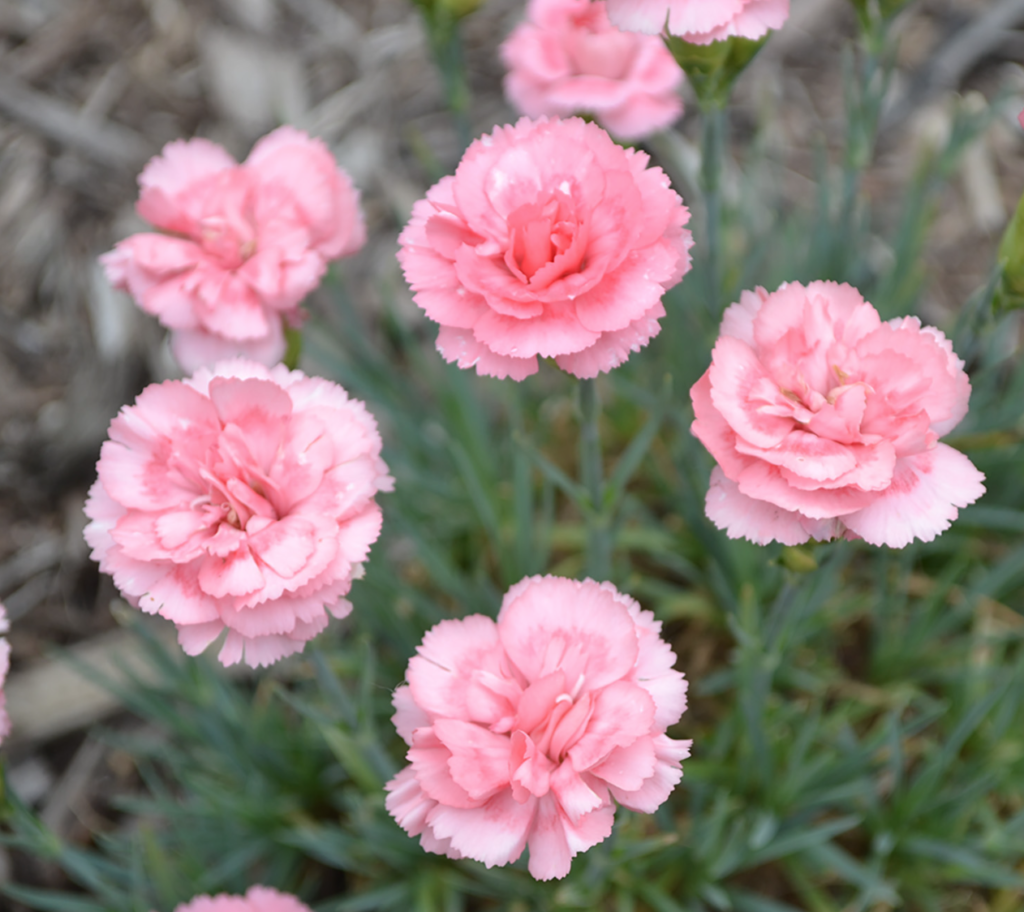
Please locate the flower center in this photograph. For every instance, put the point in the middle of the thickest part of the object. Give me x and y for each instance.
(231, 242)
(541, 236)
(554, 716)
(226, 230)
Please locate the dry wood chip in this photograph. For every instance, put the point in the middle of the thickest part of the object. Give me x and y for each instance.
(334, 114)
(63, 801)
(55, 696)
(113, 316)
(332, 24)
(108, 143)
(258, 15)
(981, 185)
(252, 84)
(28, 562)
(51, 43)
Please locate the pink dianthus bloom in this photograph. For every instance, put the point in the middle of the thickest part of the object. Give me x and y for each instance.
(243, 243)
(825, 421)
(257, 899)
(700, 21)
(567, 58)
(240, 499)
(521, 732)
(549, 240)
(5, 665)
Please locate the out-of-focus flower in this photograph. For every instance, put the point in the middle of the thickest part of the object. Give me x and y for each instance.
(567, 58)
(549, 240)
(825, 421)
(700, 21)
(257, 899)
(241, 499)
(521, 732)
(243, 243)
(5, 664)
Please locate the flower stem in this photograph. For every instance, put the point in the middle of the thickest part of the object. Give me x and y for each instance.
(599, 539)
(446, 46)
(293, 338)
(712, 152)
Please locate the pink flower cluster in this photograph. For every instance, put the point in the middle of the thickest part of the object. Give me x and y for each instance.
(256, 899)
(567, 58)
(242, 244)
(825, 421)
(241, 499)
(700, 21)
(550, 240)
(5, 665)
(521, 732)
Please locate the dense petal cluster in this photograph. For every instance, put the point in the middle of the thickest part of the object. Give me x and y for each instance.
(549, 240)
(239, 499)
(5, 664)
(700, 21)
(567, 58)
(825, 421)
(243, 243)
(257, 899)
(521, 732)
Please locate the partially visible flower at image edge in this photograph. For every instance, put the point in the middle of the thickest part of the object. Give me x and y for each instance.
(241, 244)
(256, 899)
(5, 665)
(567, 58)
(528, 730)
(549, 241)
(825, 421)
(240, 500)
(700, 21)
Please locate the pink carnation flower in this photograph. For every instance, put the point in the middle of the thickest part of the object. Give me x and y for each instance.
(244, 244)
(549, 240)
(700, 21)
(825, 421)
(567, 58)
(5, 665)
(522, 731)
(257, 899)
(240, 499)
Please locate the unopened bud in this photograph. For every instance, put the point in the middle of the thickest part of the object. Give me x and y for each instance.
(713, 68)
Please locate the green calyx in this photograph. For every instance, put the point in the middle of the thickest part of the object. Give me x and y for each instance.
(713, 68)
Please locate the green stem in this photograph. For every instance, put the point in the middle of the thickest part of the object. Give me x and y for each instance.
(712, 154)
(446, 46)
(599, 539)
(865, 90)
(293, 338)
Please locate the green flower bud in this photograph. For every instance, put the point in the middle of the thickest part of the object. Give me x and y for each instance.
(713, 68)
